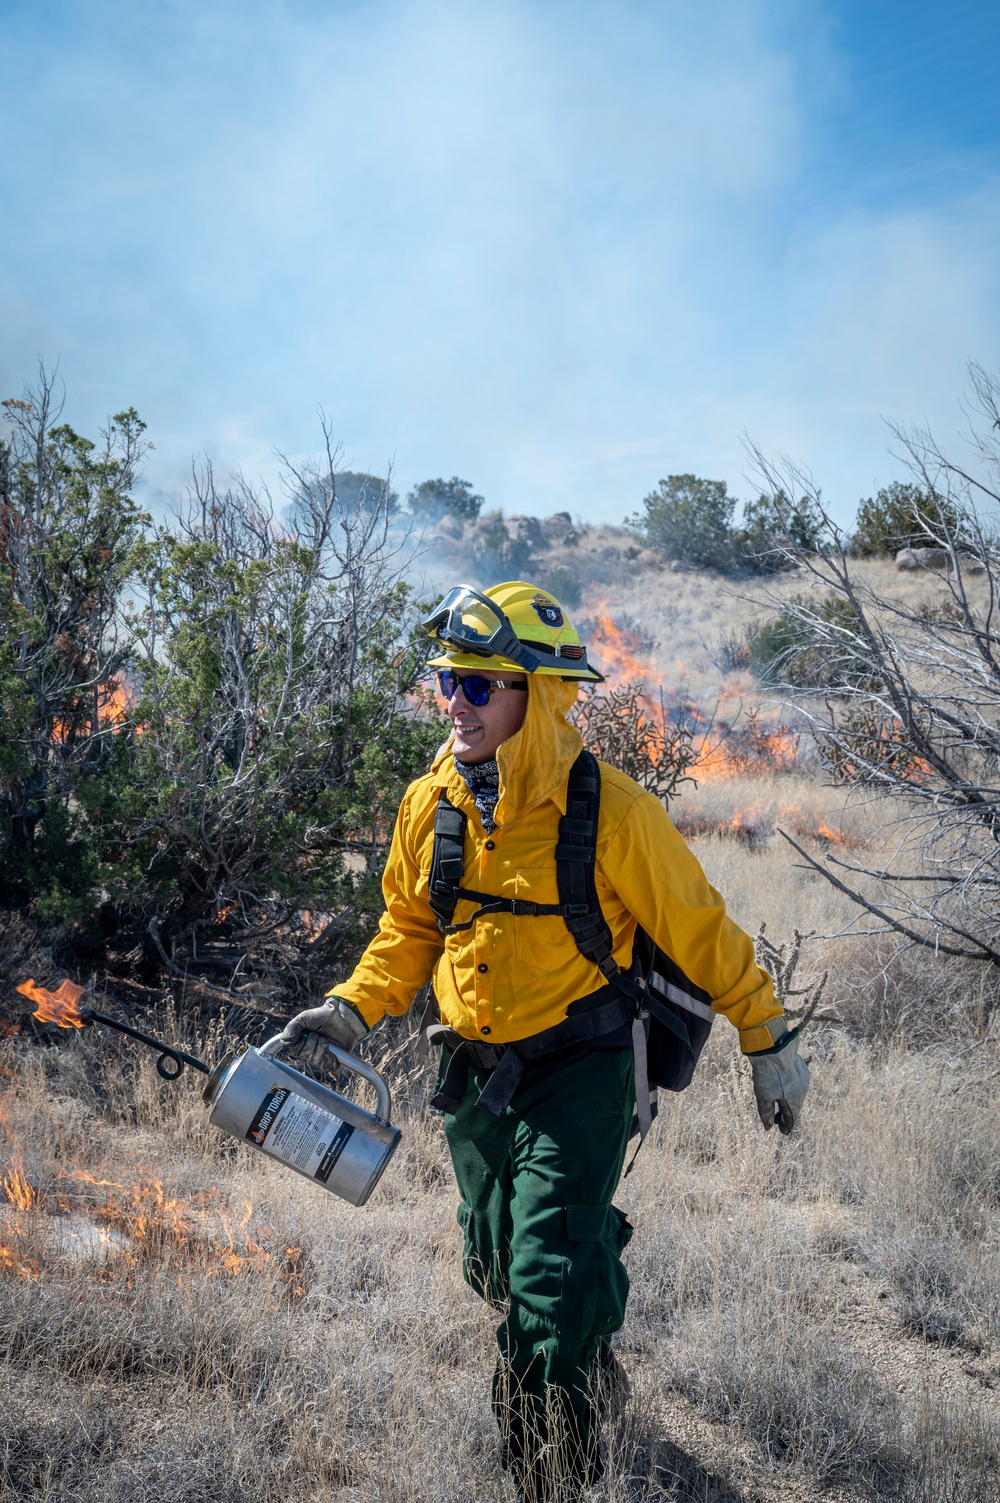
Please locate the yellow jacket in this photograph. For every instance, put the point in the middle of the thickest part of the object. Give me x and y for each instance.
(509, 977)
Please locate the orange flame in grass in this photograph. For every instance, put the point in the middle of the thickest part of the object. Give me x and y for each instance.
(203, 1233)
(10, 1263)
(739, 749)
(137, 1221)
(757, 751)
(615, 650)
(59, 1006)
(17, 1190)
(753, 825)
(140, 1224)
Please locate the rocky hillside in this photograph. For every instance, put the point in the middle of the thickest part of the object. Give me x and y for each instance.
(566, 557)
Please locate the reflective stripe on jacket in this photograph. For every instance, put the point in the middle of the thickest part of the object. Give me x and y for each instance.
(510, 977)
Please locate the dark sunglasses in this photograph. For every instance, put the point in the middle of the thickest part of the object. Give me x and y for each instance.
(476, 689)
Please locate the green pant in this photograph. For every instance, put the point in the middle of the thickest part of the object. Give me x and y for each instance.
(543, 1242)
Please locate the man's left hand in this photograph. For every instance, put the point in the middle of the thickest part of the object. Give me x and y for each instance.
(780, 1082)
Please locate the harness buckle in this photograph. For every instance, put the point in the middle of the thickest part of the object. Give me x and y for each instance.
(522, 908)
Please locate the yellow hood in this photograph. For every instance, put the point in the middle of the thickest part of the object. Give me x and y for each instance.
(535, 762)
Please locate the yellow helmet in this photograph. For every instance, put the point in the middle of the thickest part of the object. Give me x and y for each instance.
(513, 628)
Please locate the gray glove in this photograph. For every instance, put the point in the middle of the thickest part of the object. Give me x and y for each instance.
(780, 1082)
(335, 1020)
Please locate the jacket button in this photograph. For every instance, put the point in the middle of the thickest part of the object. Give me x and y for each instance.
(491, 845)
(482, 969)
(485, 1030)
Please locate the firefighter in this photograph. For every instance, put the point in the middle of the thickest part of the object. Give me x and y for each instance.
(538, 1134)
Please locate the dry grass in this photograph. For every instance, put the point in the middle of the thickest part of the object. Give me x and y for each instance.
(687, 613)
(813, 1317)
(816, 1314)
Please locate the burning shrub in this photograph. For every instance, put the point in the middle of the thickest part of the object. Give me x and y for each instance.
(654, 746)
(68, 533)
(751, 748)
(866, 737)
(277, 739)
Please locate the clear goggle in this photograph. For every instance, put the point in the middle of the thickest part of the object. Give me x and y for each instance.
(470, 621)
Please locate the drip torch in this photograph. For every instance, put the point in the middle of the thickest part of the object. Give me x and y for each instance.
(267, 1103)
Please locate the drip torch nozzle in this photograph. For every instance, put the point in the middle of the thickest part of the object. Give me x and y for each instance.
(171, 1059)
(62, 1007)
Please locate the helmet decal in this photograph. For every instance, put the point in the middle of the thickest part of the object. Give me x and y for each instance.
(547, 611)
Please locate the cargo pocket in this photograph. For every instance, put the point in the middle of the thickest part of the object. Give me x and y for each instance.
(599, 1224)
(595, 1283)
(541, 942)
(624, 1230)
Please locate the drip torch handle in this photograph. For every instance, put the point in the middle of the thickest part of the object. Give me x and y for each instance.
(357, 1066)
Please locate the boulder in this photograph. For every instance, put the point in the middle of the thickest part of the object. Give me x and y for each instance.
(555, 529)
(923, 558)
(525, 530)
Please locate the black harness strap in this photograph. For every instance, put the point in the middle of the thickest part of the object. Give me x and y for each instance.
(447, 860)
(445, 890)
(507, 1061)
(576, 863)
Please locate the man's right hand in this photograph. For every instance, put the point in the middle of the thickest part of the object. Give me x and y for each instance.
(335, 1020)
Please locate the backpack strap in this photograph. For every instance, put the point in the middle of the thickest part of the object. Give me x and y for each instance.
(576, 865)
(447, 860)
(445, 890)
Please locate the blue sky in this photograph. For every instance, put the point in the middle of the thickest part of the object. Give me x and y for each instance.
(558, 247)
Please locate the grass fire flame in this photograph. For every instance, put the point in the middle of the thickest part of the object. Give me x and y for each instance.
(741, 745)
(125, 1225)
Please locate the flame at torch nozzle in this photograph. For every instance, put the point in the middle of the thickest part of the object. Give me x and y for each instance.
(60, 1007)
